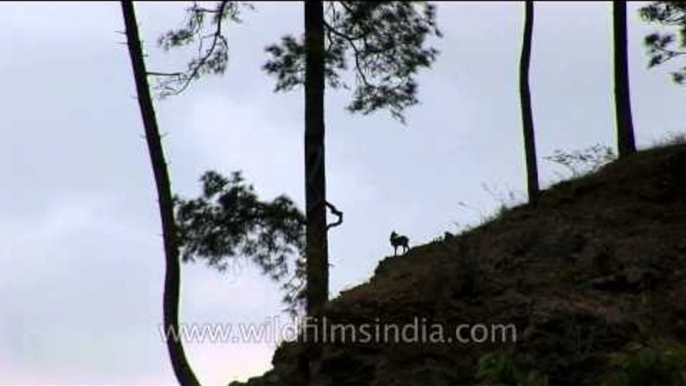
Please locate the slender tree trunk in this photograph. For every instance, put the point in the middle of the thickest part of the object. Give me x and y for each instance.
(172, 279)
(316, 249)
(625, 128)
(315, 184)
(527, 115)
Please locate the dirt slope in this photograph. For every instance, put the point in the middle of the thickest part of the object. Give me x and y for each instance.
(599, 267)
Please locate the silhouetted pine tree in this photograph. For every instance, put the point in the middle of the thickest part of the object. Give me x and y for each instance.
(386, 43)
(525, 95)
(316, 247)
(172, 278)
(626, 144)
(226, 220)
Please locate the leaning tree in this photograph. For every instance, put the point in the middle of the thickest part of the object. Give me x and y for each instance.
(172, 279)
(226, 220)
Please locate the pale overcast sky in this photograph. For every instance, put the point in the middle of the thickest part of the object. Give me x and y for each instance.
(81, 261)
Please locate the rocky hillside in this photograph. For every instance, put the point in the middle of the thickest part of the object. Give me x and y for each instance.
(592, 278)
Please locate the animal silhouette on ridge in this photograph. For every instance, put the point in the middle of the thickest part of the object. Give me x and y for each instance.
(399, 241)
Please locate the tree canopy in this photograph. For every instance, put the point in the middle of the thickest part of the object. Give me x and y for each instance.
(229, 219)
(385, 41)
(664, 46)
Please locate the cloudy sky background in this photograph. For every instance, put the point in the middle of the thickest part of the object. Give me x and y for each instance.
(81, 262)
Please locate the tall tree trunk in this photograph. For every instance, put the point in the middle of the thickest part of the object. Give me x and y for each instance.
(625, 128)
(172, 279)
(525, 95)
(316, 248)
(315, 184)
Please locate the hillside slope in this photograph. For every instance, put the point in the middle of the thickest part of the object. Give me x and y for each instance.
(598, 268)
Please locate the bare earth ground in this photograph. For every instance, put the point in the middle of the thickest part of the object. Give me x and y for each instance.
(599, 267)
